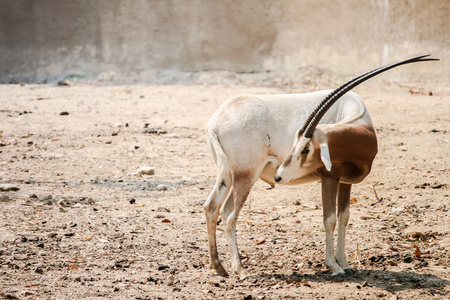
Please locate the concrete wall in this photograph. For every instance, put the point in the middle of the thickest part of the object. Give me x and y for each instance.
(49, 39)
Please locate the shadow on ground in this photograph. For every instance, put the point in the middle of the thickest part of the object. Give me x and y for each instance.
(388, 280)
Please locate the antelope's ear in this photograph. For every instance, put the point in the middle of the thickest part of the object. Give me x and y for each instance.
(324, 150)
(325, 155)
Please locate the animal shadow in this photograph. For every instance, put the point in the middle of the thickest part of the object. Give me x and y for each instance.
(393, 281)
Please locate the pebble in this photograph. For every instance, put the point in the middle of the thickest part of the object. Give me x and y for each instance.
(65, 83)
(5, 198)
(146, 171)
(162, 187)
(276, 217)
(408, 259)
(163, 267)
(186, 180)
(8, 187)
(163, 209)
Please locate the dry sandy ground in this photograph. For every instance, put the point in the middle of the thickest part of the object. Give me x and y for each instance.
(84, 225)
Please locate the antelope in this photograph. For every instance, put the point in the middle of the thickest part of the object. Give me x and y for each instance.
(251, 136)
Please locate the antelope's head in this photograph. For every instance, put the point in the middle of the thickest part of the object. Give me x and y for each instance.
(307, 155)
(310, 150)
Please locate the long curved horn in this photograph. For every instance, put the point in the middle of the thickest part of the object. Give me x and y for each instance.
(314, 118)
(325, 100)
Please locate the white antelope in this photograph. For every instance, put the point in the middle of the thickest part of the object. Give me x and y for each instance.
(251, 137)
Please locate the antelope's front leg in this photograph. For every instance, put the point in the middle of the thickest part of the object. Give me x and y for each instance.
(211, 207)
(329, 192)
(343, 216)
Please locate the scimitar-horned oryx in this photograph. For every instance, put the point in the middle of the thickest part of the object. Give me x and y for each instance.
(291, 139)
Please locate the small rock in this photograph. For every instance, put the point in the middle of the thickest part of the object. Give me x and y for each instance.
(156, 131)
(163, 209)
(162, 187)
(392, 263)
(200, 202)
(306, 283)
(124, 263)
(8, 187)
(64, 113)
(408, 259)
(132, 201)
(276, 217)
(146, 171)
(66, 203)
(416, 235)
(438, 186)
(163, 267)
(187, 180)
(397, 209)
(65, 83)
(6, 198)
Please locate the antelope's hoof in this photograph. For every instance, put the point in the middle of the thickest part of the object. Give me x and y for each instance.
(220, 270)
(349, 272)
(339, 275)
(244, 275)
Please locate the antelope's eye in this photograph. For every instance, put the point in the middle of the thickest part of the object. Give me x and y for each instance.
(305, 151)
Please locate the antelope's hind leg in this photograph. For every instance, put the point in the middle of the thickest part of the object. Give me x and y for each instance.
(212, 206)
(232, 207)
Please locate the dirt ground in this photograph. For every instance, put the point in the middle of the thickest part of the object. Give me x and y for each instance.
(77, 221)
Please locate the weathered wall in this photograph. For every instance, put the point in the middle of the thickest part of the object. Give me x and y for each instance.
(49, 39)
